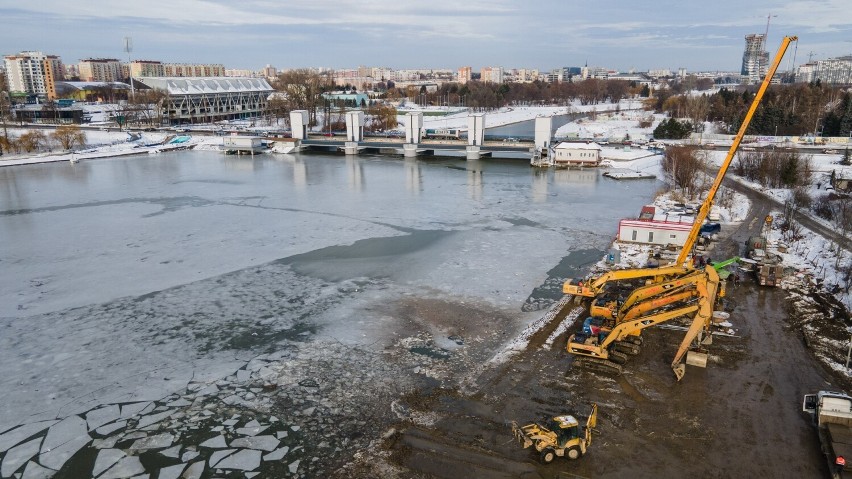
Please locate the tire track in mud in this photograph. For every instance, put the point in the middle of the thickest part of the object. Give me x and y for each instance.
(474, 437)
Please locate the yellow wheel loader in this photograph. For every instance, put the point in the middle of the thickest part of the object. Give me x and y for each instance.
(562, 437)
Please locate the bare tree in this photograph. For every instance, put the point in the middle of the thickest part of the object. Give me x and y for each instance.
(303, 90)
(32, 140)
(68, 136)
(683, 165)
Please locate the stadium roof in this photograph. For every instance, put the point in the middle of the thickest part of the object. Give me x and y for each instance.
(90, 85)
(201, 85)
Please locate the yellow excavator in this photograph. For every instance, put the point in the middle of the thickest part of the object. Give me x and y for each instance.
(603, 347)
(592, 288)
(608, 346)
(609, 308)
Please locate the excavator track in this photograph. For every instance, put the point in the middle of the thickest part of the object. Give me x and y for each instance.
(600, 365)
(618, 357)
(627, 347)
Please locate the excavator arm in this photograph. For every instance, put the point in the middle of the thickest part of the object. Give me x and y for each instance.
(593, 287)
(707, 291)
(641, 294)
(633, 327)
(708, 202)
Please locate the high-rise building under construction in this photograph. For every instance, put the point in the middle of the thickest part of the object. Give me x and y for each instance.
(755, 58)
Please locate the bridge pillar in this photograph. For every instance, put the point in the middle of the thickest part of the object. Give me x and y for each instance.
(476, 129)
(299, 124)
(350, 147)
(414, 128)
(543, 132)
(473, 152)
(355, 126)
(409, 150)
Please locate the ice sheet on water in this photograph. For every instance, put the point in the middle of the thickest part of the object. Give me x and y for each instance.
(245, 460)
(62, 441)
(36, 471)
(106, 459)
(219, 455)
(102, 415)
(263, 443)
(172, 451)
(189, 455)
(18, 456)
(294, 466)
(130, 410)
(127, 466)
(153, 442)
(194, 471)
(110, 428)
(277, 454)
(171, 472)
(217, 442)
(154, 418)
(19, 433)
(251, 431)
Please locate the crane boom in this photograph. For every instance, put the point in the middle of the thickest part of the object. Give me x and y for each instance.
(705, 206)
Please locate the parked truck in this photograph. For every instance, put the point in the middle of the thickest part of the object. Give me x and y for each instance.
(766, 266)
(832, 415)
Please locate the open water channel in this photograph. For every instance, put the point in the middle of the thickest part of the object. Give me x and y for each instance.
(123, 280)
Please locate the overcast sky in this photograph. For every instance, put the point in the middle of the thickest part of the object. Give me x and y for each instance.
(544, 34)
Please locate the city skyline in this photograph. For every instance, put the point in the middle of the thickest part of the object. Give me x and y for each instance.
(446, 34)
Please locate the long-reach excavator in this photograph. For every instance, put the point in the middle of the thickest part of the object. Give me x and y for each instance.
(672, 291)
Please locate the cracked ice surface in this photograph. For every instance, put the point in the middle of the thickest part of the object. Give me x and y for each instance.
(62, 441)
(179, 289)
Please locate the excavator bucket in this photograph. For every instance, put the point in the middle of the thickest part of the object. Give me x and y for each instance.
(679, 370)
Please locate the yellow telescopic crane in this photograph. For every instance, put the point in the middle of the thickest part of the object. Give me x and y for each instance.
(705, 206)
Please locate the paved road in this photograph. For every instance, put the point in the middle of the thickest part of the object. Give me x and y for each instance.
(800, 216)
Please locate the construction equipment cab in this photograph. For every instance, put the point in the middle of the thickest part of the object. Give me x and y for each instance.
(832, 415)
(561, 437)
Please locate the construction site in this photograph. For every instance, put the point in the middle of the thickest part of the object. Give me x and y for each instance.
(396, 348)
(692, 395)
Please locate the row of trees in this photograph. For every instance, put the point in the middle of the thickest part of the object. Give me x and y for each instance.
(775, 168)
(791, 109)
(303, 90)
(66, 137)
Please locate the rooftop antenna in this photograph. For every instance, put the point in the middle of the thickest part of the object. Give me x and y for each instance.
(128, 48)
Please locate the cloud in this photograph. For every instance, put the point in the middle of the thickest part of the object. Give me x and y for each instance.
(540, 34)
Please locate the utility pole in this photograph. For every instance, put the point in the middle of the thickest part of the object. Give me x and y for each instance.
(128, 48)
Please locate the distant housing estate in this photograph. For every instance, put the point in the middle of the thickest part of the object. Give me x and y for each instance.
(832, 71)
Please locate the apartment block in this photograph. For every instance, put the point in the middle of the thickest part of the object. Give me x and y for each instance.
(33, 73)
(100, 70)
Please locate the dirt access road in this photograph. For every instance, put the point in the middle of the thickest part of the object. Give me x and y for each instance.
(739, 417)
